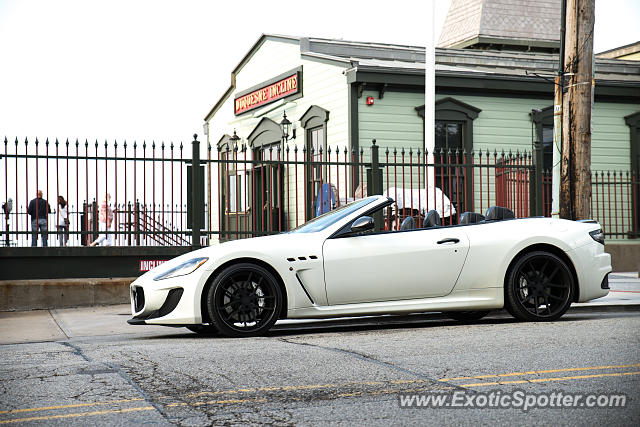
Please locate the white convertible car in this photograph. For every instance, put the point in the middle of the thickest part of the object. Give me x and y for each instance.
(344, 263)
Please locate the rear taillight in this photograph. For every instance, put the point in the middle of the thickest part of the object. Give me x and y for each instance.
(597, 235)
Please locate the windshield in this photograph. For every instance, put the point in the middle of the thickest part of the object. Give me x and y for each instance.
(325, 220)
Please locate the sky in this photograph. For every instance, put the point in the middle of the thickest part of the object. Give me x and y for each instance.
(152, 70)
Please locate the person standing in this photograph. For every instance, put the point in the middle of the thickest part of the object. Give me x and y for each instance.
(106, 223)
(38, 210)
(63, 222)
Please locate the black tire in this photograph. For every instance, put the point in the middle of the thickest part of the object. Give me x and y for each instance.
(204, 329)
(539, 287)
(244, 300)
(466, 316)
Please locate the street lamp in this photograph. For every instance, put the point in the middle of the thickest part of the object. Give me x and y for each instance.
(285, 127)
(234, 139)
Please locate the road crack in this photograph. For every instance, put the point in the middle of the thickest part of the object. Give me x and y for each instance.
(116, 369)
(371, 359)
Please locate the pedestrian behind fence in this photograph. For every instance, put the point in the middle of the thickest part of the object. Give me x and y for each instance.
(38, 210)
(106, 223)
(63, 222)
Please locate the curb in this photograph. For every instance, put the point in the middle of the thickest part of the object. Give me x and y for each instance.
(19, 295)
(605, 307)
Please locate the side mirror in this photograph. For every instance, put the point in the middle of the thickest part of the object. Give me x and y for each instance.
(362, 224)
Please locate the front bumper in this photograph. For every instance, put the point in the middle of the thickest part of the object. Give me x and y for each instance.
(166, 302)
(137, 301)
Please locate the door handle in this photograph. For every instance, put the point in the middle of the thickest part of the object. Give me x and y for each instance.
(448, 240)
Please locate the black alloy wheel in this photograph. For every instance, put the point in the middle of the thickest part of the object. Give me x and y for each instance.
(466, 316)
(539, 287)
(244, 300)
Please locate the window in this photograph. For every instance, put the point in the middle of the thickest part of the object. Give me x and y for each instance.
(316, 153)
(543, 122)
(453, 131)
(450, 177)
(633, 121)
(543, 156)
(237, 192)
(314, 121)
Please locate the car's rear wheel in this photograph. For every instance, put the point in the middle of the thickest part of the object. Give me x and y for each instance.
(466, 316)
(204, 329)
(244, 300)
(539, 287)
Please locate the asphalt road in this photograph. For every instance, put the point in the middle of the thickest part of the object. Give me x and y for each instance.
(349, 372)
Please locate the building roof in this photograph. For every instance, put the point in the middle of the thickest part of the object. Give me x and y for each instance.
(405, 60)
(620, 52)
(505, 24)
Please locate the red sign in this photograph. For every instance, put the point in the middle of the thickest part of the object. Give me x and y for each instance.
(149, 264)
(287, 86)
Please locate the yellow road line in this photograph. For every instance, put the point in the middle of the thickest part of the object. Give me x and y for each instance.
(287, 388)
(77, 414)
(547, 371)
(215, 402)
(542, 380)
(354, 383)
(74, 405)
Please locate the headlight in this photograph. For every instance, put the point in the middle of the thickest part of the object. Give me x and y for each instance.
(183, 269)
(597, 235)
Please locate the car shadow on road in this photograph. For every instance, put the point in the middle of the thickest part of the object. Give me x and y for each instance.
(394, 322)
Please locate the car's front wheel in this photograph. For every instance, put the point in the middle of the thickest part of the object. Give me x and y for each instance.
(539, 287)
(244, 300)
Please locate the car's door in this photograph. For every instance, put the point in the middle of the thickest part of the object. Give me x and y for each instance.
(394, 265)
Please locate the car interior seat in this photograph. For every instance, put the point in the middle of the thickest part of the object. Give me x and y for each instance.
(408, 224)
(470, 218)
(432, 219)
(498, 213)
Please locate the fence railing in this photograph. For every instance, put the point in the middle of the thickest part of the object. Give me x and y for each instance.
(268, 189)
(159, 199)
(146, 180)
(615, 201)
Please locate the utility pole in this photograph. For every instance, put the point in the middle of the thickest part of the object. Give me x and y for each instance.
(557, 118)
(575, 182)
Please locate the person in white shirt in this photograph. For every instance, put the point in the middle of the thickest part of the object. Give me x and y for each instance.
(63, 222)
(106, 223)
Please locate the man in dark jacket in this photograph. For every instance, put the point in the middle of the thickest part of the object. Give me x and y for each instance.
(38, 209)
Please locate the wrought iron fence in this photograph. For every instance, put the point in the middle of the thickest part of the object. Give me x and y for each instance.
(159, 199)
(145, 184)
(269, 189)
(615, 198)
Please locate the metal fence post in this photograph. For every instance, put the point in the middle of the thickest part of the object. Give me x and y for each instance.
(94, 222)
(128, 220)
(376, 173)
(535, 181)
(137, 223)
(374, 181)
(197, 203)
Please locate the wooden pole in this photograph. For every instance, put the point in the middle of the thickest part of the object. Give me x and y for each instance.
(575, 182)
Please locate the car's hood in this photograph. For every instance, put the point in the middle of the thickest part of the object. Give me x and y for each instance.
(259, 247)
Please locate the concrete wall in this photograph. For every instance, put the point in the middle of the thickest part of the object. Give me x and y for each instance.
(625, 256)
(62, 293)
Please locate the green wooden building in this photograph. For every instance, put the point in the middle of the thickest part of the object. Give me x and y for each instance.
(494, 91)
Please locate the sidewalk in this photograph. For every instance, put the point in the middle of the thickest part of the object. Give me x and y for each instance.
(60, 324)
(625, 290)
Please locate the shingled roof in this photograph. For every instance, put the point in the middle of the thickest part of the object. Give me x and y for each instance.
(532, 25)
